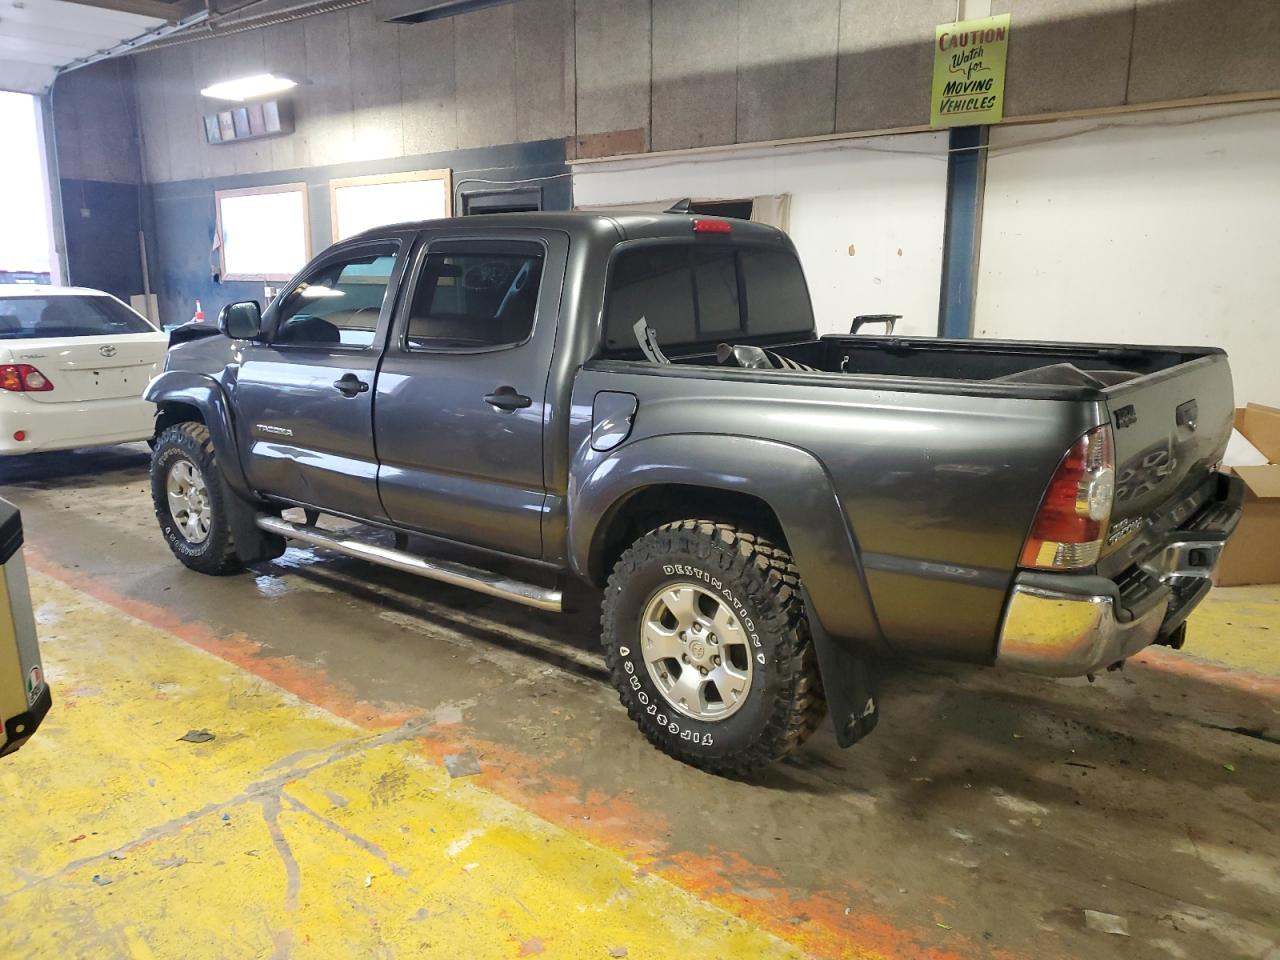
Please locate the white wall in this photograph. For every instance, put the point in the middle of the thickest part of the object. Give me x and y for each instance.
(867, 215)
(1154, 228)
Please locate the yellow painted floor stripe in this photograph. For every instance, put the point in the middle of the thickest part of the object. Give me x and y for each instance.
(293, 833)
(1238, 627)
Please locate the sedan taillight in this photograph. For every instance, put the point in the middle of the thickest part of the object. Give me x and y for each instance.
(1072, 520)
(23, 378)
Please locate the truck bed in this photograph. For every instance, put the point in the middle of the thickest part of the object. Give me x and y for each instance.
(989, 359)
(1088, 367)
(953, 506)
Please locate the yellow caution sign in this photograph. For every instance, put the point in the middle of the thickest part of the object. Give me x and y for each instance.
(968, 72)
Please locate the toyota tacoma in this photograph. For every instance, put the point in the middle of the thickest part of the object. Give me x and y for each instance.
(641, 402)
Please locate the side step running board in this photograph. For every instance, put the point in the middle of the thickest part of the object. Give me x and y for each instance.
(446, 571)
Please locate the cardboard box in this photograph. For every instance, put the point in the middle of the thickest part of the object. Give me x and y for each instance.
(1253, 552)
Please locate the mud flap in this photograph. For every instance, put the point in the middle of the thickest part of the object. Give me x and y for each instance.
(848, 682)
(253, 545)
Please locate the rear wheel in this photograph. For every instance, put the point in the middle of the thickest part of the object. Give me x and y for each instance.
(708, 645)
(186, 490)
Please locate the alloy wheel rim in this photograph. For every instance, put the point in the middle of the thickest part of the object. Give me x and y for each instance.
(188, 497)
(696, 651)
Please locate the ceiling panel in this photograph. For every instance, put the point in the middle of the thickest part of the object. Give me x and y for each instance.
(38, 36)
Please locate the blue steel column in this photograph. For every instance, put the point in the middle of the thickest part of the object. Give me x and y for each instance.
(966, 177)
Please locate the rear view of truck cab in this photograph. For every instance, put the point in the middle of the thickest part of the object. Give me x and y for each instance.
(1131, 523)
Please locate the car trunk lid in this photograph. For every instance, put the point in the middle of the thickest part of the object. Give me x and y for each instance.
(92, 368)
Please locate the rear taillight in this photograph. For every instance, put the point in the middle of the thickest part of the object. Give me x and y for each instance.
(23, 378)
(1072, 520)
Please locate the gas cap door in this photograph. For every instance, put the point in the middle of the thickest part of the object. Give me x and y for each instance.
(612, 416)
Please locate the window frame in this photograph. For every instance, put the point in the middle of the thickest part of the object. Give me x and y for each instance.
(443, 174)
(327, 260)
(220, 195)
(400, 329)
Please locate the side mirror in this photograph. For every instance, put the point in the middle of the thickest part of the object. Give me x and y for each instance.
(241, 321)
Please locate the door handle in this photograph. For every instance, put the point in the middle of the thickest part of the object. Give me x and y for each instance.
(349, 385)
(506, 398)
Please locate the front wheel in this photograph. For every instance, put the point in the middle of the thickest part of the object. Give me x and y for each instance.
(186, 490)
(707, 643)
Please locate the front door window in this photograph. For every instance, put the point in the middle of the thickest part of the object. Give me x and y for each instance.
(339, 303)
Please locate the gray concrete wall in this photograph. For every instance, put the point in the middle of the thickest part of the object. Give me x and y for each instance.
(94, 124)
(621, 76)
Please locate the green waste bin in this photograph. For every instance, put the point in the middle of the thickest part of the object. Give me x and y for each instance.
(24, 694)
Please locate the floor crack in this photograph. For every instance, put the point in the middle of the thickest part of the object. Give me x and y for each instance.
(266, 791)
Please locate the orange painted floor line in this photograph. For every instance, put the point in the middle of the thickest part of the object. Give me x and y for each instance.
(1195, 668)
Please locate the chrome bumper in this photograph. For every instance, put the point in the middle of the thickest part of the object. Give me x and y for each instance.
(1067, 625)
(1068, 635)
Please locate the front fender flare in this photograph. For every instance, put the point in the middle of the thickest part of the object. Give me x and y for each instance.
(790, 480)
(207, 395)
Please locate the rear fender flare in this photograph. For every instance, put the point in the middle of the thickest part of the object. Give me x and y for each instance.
(790, 480)
(208, 396)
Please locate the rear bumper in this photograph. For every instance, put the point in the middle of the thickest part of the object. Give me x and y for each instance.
(65, 426)
(1067, 625)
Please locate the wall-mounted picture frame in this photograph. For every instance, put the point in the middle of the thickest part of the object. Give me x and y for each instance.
(271, 116)
(264, 232)
(357, 204)
(267, 118)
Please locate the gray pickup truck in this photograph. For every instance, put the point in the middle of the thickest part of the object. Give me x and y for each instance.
(640, 402)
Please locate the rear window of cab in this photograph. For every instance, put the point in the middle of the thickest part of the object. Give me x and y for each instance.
(700, 294)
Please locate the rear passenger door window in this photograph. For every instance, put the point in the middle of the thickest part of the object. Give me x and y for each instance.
(338, 304)
(475, 295)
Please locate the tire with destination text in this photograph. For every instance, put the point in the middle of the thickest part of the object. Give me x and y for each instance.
(707, 642)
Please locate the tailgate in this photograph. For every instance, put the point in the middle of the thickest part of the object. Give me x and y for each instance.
(1171, 429)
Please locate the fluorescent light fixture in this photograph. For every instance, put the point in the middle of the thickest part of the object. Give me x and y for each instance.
(421, 11)
(249, 88)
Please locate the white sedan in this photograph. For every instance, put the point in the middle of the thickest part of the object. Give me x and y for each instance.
(73, 365)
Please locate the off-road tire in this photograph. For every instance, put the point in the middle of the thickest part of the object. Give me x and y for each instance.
(216, 554)
(784, 704)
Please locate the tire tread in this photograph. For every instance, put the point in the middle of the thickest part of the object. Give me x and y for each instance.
(772, 583)
(222, 557)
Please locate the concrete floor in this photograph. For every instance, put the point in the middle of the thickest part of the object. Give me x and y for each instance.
(983, 817)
